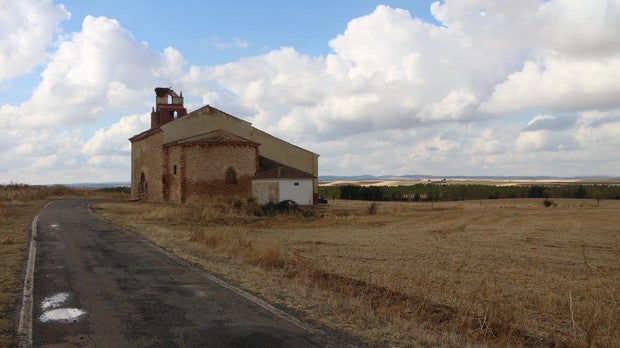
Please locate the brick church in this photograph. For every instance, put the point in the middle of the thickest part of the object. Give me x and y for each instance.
(207, 153)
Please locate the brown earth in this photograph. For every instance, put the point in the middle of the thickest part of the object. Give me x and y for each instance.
(446, 273)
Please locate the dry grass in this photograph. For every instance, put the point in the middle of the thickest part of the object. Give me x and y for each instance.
(494, 272)
(14, 220)
(18, 205)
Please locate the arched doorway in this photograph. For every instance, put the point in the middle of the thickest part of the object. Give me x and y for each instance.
(143, 188)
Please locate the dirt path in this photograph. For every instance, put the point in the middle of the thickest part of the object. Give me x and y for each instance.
(95, 284)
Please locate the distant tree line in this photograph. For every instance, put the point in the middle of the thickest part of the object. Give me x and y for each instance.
(452, 192)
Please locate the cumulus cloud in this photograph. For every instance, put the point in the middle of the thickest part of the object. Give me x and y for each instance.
(27, 154)
(114, 140)
(487, 62)
(102, 67)
(99, 71)
(389, 70)
(495, 88)
(559, 84)
(27, 29)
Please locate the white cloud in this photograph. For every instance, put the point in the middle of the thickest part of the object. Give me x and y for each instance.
(114, 140)
(559, 84)
(100, 68)
(389, 70)
(99, 71)
(389, 73)
(498, 88)
(27, 28)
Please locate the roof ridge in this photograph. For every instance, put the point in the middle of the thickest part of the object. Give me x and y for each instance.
(284, 172)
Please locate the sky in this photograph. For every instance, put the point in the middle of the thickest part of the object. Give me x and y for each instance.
(467, 87)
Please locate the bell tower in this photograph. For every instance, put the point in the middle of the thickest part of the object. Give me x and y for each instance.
(168, 107)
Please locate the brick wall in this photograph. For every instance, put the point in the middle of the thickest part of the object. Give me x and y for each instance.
(201, 173)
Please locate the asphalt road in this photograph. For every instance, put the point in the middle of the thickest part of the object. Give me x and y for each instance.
(98, 285)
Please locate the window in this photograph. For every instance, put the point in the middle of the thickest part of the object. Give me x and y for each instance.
(174, 169)
(295, 184)
(231, 176)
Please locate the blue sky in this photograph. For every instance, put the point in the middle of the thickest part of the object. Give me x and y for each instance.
(468, 87)
(193, 26)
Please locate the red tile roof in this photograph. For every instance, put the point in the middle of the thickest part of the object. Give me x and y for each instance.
(284, 172)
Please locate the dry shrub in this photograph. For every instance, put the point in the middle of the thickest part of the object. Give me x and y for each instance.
(7, 241)
(252, 208)
(593, 323)
(169, 213)
(212, 212)
(264, 255)
(3, 214)
(549, 203)
(237, 245)
(226, 210)
(28, 193)
(490, 315)
(218, 213)
(372, 208)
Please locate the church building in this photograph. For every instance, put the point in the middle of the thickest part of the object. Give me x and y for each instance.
(208, 154)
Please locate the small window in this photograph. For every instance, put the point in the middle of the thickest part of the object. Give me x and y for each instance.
(174, 169)
(295, 184)
(231, 176)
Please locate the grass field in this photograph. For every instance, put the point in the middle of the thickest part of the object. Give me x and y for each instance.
(18, 206)
(444, 273)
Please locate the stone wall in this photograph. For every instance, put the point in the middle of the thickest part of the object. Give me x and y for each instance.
(173, 172)
(146, 157)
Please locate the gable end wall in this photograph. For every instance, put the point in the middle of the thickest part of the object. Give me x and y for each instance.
(146, 157)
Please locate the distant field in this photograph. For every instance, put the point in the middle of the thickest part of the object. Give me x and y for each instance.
(498, 182)
(503, 271)
(468, 189)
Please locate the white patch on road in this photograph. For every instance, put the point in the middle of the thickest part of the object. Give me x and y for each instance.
(62, 314)
(54, 301)
(51, 312)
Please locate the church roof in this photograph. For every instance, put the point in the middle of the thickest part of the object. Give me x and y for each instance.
(144, 134)
(284, 172)
(215, 137)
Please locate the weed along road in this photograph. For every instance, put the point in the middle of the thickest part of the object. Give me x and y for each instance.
(97, 285)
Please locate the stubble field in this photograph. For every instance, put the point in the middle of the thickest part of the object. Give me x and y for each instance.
(443, 273)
